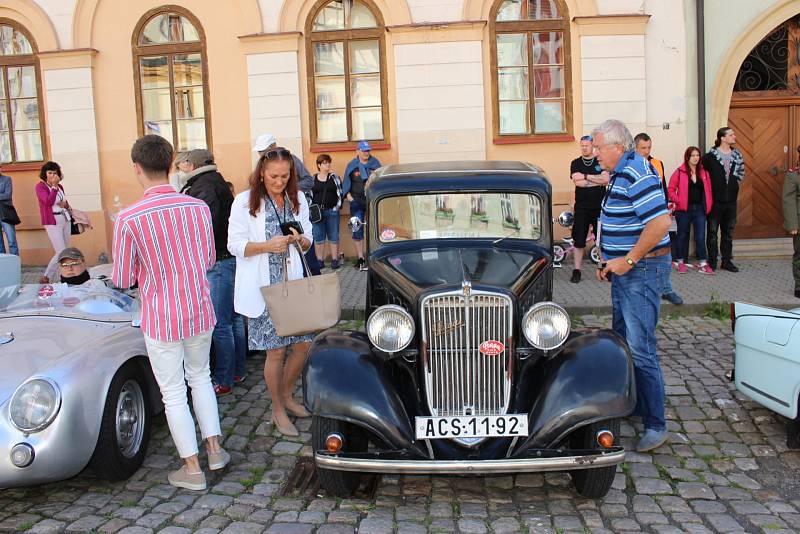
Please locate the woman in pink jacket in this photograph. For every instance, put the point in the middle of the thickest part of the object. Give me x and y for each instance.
(690, 189)
(54, 211)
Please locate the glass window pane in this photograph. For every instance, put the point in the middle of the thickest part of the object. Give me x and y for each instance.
(3, 120)
(548, 82)
(154, 71)
(330, 17)
(331, 126)
(5, 147)
(156, 105)
(21, 82)
(543, 10)
(367, 124)
(362, 17)
(191, 134)
(510, 10)
(364, 57)
(162, 128)
(187, 69)
(2, 83)
(25, 114)
(514, 118)
(168, 28)
(28, 145)
(13, 43)
(189, 103)
(512, 50)
(328, 59)
(330, 93)
(365, 90)
(547, 48)
(512, 84)
(549, 116)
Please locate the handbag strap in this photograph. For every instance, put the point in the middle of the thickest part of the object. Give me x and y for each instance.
(286, 270)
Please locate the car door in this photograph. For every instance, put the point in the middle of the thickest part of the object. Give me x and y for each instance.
(767, 360)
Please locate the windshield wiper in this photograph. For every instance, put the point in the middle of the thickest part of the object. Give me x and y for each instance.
(496, 241)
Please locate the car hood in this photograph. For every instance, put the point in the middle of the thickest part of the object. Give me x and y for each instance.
(510, 265)
(39, 343)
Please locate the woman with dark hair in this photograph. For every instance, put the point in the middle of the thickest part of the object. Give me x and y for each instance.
(690, 189)
(327, 194)
(54, 211)
(256, 239)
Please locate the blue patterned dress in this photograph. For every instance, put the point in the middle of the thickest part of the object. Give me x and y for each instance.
(262, 334)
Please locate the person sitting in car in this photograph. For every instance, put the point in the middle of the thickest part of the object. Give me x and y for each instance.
(72, 267)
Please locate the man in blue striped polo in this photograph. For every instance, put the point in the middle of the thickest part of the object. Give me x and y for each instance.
(634, 242)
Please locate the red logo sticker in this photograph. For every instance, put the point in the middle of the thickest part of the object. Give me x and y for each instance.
(388, 234)
(492, 348)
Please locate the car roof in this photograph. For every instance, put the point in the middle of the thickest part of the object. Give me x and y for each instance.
(457, 175)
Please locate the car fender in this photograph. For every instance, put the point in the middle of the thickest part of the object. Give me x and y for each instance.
(590, 380)
(344, 379)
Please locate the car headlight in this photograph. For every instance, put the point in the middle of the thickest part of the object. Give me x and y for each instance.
(390, 328)
(546, 325)
(35, 404)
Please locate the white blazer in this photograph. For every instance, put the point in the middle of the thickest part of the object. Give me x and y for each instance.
(253, 272)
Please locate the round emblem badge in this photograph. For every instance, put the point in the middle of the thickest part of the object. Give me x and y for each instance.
(388, 234)
(492, 348)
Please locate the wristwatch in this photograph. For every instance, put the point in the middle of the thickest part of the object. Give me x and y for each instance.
(630, 261)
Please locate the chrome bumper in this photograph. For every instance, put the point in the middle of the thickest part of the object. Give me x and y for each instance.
(468, 467)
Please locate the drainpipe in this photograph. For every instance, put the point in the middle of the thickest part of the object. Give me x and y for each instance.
(701, 74)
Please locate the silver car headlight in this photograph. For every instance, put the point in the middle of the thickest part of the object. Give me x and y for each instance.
(390, 328)
(546, 325)
(35, 404)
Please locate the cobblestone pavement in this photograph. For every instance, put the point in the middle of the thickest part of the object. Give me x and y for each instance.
(725, 468)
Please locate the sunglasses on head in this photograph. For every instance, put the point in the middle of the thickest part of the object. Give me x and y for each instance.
(278, 152)
(586, 138)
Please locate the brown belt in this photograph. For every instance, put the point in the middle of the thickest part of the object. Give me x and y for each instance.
(660, 252)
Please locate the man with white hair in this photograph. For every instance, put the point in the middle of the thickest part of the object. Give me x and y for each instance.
(634, 242)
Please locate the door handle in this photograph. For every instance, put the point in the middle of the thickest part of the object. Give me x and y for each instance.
(774, 171)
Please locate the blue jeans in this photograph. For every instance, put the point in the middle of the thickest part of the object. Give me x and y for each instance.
(694, 216)
(636, 298)
(357, 210)
(11, 237)
(327, 227)
(230, 345)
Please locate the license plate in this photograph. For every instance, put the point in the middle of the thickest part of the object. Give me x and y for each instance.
(472, 426)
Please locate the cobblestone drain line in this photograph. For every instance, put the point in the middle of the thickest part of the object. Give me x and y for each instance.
(725, 468)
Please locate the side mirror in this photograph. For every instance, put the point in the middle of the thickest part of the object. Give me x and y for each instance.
(355, 224)
(136, 322)
(566, 219)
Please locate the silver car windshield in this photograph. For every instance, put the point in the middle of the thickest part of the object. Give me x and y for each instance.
(92, 300)
(460, 215)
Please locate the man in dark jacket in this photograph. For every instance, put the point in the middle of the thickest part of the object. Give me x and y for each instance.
(725, 166)
(207, 184)
(356, 174)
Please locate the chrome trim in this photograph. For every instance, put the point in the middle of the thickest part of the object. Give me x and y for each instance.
(459, 380)
(464, 467)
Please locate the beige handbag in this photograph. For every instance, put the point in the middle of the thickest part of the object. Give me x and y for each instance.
(303, 306)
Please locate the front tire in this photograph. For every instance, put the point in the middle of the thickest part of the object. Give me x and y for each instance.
(338, 483)
(594, 254)
(125, 427)
(593, 483)
(558, 253)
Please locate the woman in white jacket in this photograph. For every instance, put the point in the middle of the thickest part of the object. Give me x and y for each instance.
(256, 239)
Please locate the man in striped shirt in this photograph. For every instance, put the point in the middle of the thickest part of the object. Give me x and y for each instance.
(165, 243)
(634, 242)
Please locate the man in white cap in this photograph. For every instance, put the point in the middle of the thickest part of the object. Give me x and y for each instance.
(305, 180)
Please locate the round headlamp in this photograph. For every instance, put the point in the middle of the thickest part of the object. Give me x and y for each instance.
(35, 404)
(546, 325)
(390, 328)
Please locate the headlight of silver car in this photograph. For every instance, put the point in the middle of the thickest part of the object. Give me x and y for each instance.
(35, 404)
(390, 328)
(546, 325)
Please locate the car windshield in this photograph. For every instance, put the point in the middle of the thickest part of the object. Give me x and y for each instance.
(92, 300)
(460, 215)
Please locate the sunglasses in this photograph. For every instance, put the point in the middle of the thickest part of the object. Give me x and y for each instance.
(70, 263)
(278, 152)
(586, 138)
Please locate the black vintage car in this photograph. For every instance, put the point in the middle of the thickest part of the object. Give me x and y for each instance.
(466, 366)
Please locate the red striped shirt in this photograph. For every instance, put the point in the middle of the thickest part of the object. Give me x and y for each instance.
(165, 241)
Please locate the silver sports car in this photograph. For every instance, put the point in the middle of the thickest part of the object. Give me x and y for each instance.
(76, 388)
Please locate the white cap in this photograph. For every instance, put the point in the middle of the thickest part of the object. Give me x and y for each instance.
(264, 141)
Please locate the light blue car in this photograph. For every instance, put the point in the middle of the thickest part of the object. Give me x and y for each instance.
(767, 361)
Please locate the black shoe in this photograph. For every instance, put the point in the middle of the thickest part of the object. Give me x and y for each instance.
(673, 298)
(361, 265)
(729, 266)
(576, 276)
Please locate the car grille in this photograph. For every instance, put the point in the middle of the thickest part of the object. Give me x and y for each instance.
(459, 378)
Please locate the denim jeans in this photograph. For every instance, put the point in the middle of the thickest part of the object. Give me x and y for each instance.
(636, 298)
(357, 210)
(327, 227)
(11, 237)
(230, 345)
(695, 217)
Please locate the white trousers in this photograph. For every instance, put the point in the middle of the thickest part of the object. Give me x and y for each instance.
(59, 235)
(174, 363)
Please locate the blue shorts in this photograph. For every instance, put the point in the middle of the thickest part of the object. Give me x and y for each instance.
(357, 210)
(327, 227)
